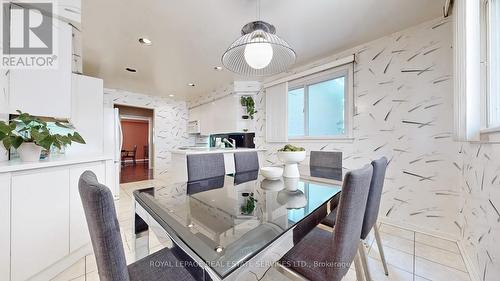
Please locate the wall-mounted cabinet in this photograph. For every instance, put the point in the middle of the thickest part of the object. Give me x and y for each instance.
(221, 116)
(68, 10)
(45, 92)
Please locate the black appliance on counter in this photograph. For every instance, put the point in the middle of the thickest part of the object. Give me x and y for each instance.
(242, 139)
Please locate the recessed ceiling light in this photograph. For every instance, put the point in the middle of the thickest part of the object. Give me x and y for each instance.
(145, 41)
(218, 68)
(171, 95)
(129, 69)
(191, 84)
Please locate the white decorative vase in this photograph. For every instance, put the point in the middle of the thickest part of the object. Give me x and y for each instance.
(29, 152)
(291, 160)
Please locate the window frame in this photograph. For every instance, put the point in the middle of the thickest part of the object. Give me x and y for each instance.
(488, 125)
(346, 71)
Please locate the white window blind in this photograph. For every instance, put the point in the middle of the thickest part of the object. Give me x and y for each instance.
(276, 113)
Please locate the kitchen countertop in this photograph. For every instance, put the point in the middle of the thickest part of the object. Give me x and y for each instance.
(18, 165)
(204, 150)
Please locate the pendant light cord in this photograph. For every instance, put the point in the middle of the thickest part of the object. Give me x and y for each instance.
(258, 10)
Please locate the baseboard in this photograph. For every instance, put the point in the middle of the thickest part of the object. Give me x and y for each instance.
(469, 264)
(471, 269)
(63, 264)
(137, 160)
(418, 228)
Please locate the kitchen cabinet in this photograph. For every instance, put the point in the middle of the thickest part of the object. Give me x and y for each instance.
(87, 114)
(68, 10)
(40, 220)
(4, 90)
(5, 226)
(45, 92)
(221, 116)
(44, 228)
(78, 230)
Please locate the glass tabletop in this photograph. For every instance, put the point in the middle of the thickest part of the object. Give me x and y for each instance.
(227, 220)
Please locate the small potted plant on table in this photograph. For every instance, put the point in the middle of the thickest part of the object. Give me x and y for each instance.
(29, 135)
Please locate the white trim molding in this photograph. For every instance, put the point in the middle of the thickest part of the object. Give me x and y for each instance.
(467, 69)
(313, 70)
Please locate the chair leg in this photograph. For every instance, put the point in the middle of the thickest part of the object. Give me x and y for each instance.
(357, 267)
(364, 260)
(380, 249)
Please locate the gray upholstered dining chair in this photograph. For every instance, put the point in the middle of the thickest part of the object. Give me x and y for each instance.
(337, 250)
(246, 161)
(371, 214)
(205, 166)
(326, 159)
(104, 231)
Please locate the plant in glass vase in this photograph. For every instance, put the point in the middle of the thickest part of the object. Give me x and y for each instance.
(29, 134)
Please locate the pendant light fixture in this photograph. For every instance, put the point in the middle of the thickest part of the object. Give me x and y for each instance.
(259, 51)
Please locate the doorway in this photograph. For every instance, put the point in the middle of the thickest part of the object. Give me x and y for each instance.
(137, 161)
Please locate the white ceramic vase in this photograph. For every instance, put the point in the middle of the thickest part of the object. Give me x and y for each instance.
(291, 160)
(29, 152)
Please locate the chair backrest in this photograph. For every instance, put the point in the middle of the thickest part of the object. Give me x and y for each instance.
(205, 166)
(246, 161)
(349, 220)
(374, 196)
(328, 159)
(103, 226)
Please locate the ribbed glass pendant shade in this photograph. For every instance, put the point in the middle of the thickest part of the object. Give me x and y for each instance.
(259, 52)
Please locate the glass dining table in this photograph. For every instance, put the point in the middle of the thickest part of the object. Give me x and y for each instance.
(235, 224)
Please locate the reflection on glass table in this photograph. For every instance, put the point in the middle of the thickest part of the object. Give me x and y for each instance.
(225, 222)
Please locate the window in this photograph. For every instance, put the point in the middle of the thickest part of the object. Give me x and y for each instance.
(492, 19)
(318, 105)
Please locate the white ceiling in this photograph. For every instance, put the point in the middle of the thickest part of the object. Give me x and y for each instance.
(189, 37)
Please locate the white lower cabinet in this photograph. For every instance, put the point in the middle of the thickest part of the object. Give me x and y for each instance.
(4, 226)
(40, 220)
(78, 230)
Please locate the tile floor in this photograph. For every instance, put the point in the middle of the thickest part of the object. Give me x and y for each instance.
(411, 256)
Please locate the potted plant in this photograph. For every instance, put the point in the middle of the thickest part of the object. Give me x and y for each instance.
(29, 134)
(249, 104)
(249, 205)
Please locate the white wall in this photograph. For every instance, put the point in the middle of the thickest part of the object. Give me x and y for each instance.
(170, 123)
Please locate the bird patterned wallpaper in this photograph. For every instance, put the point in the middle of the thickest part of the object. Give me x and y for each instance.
(403, 88)
(170, 123)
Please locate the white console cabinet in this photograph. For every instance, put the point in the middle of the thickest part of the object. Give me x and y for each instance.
(42, 217)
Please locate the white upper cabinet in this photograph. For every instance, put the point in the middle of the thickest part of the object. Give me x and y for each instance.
(221, 116)
(68, 10)
(45, 92)
(87, 114)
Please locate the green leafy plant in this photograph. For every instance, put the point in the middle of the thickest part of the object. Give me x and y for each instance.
(28, 128)
(249, 205)
(291, 148)
(249, 103)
